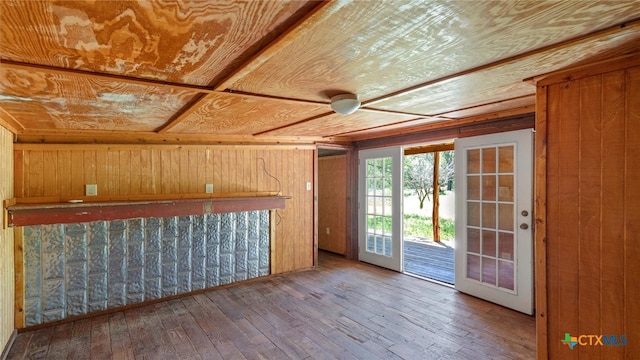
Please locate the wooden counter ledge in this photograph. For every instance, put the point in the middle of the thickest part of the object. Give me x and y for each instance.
(76, 212)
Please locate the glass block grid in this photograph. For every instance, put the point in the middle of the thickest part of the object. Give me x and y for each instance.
(75, 269)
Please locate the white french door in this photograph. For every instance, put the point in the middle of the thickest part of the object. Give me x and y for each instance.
(494, 248)
(380, 207)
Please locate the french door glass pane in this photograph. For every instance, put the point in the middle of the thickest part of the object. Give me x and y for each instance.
(489, 160)
(379, 206)
(489, 187)
(505, 246)
(473, 187)
(505, 217)
(473, 161)
(489, 270)
(490, 250)
(506, 159)
(473, 240)
(473, 267)
(506, 273)
(488, 215)
(489, 243)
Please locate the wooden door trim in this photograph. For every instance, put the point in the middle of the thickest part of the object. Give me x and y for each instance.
(540, 223)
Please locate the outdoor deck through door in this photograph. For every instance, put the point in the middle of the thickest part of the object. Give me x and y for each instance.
(493, 218)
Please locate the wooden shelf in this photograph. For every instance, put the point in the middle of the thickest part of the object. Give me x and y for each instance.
(75, 212)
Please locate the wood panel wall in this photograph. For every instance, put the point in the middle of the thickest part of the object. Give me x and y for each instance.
(60, 172)
(332, 203)
(588, 167)
(6, 241)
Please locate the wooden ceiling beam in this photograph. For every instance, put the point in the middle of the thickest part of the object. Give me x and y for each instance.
(9, 64)
(392, 125)
(10, 123)
(193, 106)
(496, 64)
(182, 114)
(444, 123)
(428, 148)
(252, 63)
(503, 101)
(67, 136)
(591, 69)
(379, 111)
(294, 123)
(320, 12)
(446, 133)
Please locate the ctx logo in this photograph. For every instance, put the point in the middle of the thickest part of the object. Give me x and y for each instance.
(594, 340)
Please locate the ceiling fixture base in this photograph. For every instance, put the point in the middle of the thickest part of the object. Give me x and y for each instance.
(345, 104)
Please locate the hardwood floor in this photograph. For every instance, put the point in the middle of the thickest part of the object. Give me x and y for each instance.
(342, 310)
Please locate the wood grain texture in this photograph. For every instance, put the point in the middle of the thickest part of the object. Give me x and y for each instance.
(225, 113)
(131, 137)
(336, 124)
(631, 207)
(194, 44)
(591, 239)
(526, 103)
(565, 296)
(613, 204)
(9, 122)
(7, 289)
(46, 213)
(488, 85)
(326, 313)
(133, 67)
(435, 212)
(449, 130)
(326, 56)
(592, 135)
(540, 224)
(239, 72)
(332, 203)
(50, 101)
(174, 170)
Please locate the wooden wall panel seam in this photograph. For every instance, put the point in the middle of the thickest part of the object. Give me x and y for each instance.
(8, 291)
(587, 206)
(540, 230)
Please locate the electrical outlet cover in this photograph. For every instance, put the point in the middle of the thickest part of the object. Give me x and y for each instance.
(91, 189)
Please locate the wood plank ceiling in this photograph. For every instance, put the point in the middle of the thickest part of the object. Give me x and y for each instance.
(264, 71)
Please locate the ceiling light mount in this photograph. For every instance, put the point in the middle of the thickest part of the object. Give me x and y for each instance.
(345, 104)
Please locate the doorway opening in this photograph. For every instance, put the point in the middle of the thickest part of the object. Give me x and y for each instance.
(332, 200)
(429, 212)
(493, 237)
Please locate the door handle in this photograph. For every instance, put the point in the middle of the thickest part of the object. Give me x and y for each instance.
(524, 226)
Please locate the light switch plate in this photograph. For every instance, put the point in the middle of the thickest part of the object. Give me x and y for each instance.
(91, 189)
(308, 185)
(208, 188)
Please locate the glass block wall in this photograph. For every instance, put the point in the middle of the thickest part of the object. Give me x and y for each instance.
(75, 269)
